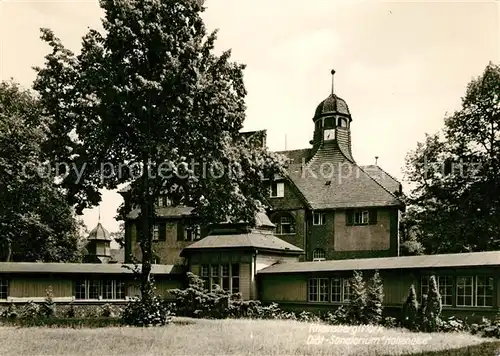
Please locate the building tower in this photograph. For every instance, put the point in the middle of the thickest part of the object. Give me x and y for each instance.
(332, 125)
(98, 245)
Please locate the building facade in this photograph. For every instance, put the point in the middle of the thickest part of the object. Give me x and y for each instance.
(327, 205)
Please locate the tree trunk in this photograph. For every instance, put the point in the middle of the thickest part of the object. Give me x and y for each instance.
(146, 238)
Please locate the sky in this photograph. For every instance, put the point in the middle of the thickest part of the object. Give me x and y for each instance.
(401, 66)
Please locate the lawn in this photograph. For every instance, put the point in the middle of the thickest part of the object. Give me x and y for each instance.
(226, 337)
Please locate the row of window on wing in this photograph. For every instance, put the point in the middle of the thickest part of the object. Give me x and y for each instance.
(184, 233)
(225, 276)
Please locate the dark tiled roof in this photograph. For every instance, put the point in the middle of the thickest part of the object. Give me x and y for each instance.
(165, 212)
(255, 239)
(491, 258)
(382, 177)
(297, 156)
(99, 233)
(84, 268)
(329, 181)
(332, 104)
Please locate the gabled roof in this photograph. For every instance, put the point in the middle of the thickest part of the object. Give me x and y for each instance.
(491, 258)
(84, 268)
(382, 177)
(255, 239)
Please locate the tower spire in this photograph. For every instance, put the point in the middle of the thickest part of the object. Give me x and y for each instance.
(333, 74)
(99, 216)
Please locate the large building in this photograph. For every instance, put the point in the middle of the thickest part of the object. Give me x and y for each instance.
(327, 205)
(327, 218)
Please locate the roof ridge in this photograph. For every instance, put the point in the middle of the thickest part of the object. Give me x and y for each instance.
(383, 170)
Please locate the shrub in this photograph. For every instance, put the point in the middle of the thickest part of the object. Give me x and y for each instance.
(357, 301)
(453, 324)
(10, 313)
(106, 311)
(30, 310)
(390, 322)
(149, 310)
(374, 300)
(48, 307)
(338, 317)
(411, 310)
(71, 313)
(432, 310)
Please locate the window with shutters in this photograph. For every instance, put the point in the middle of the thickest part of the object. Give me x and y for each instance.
(361, 217)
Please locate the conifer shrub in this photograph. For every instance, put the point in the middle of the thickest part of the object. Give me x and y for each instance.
(411, 317)
(433, 307)
(357, 301)
(374, 300)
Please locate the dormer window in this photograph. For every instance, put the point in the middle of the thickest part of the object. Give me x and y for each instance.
(277, 190)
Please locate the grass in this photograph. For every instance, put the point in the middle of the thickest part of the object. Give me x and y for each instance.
(224, 337)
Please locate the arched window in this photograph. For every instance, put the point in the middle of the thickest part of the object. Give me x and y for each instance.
(285, 224)
(319, 255)
(329, 123)
(342, 122)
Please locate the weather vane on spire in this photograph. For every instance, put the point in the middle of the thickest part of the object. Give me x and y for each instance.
(333, 73)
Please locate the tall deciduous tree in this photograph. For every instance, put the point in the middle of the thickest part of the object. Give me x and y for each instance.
(148, 103)
(455, 196)
(36, 222)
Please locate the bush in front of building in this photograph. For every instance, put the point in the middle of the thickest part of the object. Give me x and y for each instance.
(148, 310)
(411, 310)
(432, 308)
(357, 300)
(374, 299)
(48, 307)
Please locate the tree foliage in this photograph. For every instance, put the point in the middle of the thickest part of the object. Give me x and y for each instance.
(36, 222)
(433, 307)
(148, 103)
(411, 310)
(454, 203)
(357, 302)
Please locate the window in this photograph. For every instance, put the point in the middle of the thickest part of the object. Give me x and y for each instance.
(285, 224)
(224, 276)
(361, 217)
(484, 291)
(464, 291)
(319, 218)
(318, 255)
(193, 233)
(337, 290)
(277, 190)
(4, 288)
(329, 123)
(97, 289)
(156, 232)
(318, 290)
(163, 201)
(235, 275)
(342, 122)
(445, 285)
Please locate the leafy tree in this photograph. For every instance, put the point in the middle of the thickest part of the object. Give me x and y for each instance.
(374, 300)
(455, 188)
(36, 222)
(147, 103)
(411, 310)
(433, 307)
(357, 301)
(119, 236)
